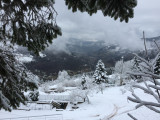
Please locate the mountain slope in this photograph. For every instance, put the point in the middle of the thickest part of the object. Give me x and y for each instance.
(84, 56)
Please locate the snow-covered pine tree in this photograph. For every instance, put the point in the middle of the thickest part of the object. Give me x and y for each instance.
(100, 74)
(33, 95)
(14, 79)
(83, 82)
(157, 66)
(136, 67)
(136, 64)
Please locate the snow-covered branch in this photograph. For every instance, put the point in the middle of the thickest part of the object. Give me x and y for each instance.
(149, 75)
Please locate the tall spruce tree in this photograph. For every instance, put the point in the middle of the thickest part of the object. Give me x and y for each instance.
(100, 74)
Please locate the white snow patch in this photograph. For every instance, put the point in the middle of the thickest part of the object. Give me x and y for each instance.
(24, 58)
(112, 104)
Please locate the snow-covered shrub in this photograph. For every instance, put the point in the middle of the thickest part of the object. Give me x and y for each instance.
(33, 95)
(129, 85)
(112, 79)
(89, 82)
(121, 69)
(77, 81)
(27, 98)
(100, 87)
(69, 83)
(63, 75)
(123, 91)
(60, 88)
(79, 94)
(45, 87)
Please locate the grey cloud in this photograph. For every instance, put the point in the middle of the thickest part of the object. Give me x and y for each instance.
(97, 27)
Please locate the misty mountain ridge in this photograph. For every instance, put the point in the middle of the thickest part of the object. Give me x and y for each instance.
(83, 56)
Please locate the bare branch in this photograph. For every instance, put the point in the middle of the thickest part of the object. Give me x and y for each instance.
(132, 116)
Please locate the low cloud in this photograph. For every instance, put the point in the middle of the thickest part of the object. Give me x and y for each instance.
(97, 27)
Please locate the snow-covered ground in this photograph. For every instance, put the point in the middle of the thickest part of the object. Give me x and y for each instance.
(111, 105)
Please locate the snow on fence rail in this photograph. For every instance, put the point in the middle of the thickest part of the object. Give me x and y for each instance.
(54, 97)
(58, 98)
(40, 117)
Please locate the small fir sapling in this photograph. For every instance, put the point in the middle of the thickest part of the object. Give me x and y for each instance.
(83, 82)
(157, 66)
(34, 95)
(136, 67)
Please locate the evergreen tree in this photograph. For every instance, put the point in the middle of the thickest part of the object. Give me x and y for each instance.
(83, 82)
(136, 64)
(29, 23)
(157, 66)
(100, 74)
(122, 9)
(136, 67)
(14, 80)
(33, 95)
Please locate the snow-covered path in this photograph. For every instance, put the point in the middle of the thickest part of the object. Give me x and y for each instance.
(111, 105)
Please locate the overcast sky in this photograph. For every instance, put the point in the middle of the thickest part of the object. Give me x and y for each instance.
(97, 27)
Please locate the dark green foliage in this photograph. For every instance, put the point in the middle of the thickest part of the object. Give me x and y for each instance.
(32, 23)
(83, 82)
(122, 9)
(136, 64)
(136, 67)
(13, 80)
(34, 95)
(157, 66)
(29, 23)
